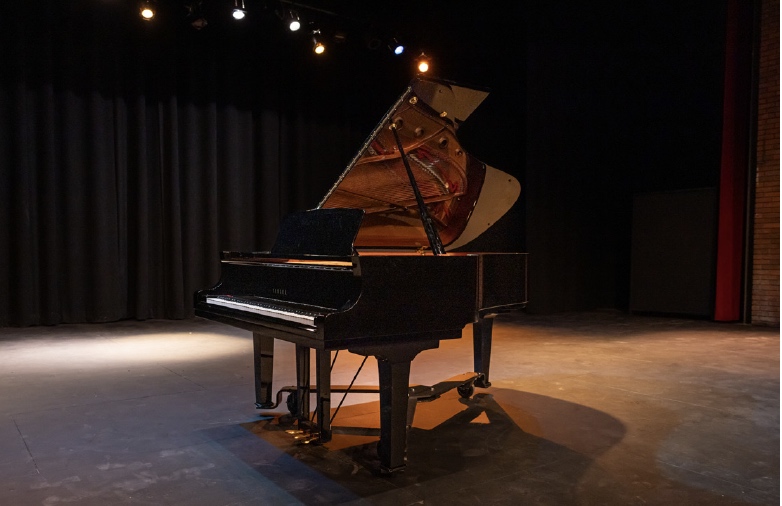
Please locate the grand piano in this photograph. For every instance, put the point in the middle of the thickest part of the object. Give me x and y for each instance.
(382, 267)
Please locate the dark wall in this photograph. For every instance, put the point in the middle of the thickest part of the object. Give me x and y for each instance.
(622, 98)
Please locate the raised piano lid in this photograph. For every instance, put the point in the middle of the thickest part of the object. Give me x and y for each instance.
(464, 196)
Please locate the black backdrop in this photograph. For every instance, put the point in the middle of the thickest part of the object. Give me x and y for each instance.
(132, 153)
(623, 98)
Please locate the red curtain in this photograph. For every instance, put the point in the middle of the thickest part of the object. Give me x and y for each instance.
(736, 132)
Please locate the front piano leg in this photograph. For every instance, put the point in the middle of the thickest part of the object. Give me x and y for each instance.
(303, 385)
(263, 362)
(481, 346)
(393, 364)
(323, 394)
(394, 378)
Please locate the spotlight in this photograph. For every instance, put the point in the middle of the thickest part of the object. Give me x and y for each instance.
(422, 63)
(318, 46)
(294, 23)
(239, 11)
(396, 47)
(147, 10)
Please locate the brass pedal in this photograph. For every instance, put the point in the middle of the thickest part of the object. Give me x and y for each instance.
(304, 436)
(306, 439)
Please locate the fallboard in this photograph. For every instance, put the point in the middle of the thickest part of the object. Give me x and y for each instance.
(326, 286)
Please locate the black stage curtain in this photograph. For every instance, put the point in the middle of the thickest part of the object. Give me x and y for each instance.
(131, 154)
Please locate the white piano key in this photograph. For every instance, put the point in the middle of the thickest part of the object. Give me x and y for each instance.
(275, 312)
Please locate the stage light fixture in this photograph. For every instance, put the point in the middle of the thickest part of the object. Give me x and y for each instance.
(239, 11)
(318, 46)
(422, 63)
(396, 47)
(294, 23)
(147, 10)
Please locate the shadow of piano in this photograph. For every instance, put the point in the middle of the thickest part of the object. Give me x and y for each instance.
(489, 449)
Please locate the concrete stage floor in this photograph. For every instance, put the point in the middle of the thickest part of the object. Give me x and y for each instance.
(586, 409)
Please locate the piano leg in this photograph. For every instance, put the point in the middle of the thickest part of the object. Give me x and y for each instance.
(393, 364)
(481, 346)
(303, 386)
(394, 382)
(263, 361)
(323, 373)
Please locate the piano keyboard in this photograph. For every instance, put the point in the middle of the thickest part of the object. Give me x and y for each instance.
(284, 313)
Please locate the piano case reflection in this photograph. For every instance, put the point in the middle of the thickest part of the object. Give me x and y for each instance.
(373, 269)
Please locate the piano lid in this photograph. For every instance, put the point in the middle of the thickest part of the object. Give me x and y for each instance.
(464, 197)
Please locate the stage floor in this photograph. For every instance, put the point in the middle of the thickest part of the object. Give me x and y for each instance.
(596, 408)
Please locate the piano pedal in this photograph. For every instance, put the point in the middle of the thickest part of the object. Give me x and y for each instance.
(306, 438)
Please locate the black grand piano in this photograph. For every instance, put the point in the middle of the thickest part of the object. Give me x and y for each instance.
(373, 269)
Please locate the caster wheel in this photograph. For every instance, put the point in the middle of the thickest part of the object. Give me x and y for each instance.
(466, 390)
(293, 404)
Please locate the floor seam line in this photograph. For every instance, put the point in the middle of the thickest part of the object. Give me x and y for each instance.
(183, 377)
(26, 446)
